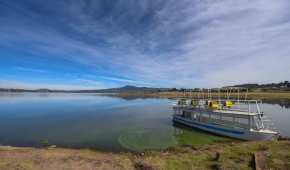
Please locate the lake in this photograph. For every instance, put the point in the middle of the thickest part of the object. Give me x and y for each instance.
(104, 123)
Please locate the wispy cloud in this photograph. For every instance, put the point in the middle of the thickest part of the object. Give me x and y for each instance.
(53, 86)
(30, 69)
(187, 43)
(124, 80)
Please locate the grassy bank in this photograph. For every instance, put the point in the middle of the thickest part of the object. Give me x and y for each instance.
(220, 156)
(251, 95)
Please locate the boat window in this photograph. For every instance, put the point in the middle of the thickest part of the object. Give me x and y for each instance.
(186, 114)
(229, 121)
(194, 116)
(215, 116)
(242, 120)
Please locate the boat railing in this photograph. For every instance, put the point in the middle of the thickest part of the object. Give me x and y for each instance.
(268, 123)
(227, 105)
(250, 106)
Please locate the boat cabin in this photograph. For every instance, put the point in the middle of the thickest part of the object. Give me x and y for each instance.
(224, 113)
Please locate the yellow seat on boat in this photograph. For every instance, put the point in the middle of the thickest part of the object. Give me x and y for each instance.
(182, 102)
(193, 102)
(214, 105)
(228, 103)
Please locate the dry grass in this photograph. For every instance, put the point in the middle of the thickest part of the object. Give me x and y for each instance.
(230, 156)
(47, 159)
(251, 95)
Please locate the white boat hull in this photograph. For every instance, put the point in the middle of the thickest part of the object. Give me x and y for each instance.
(234, 133)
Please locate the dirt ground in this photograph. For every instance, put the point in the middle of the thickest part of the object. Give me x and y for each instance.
(218, 156)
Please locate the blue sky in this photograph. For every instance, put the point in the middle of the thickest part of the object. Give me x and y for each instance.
(92, 44)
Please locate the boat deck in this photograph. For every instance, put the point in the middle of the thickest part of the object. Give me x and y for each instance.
(236, 112)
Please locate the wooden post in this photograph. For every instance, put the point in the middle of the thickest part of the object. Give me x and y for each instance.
(260, 162)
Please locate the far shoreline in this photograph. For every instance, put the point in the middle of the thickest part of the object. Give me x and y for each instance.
(193, 95)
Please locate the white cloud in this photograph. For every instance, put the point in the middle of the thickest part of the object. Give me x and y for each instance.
(187, 43)
(76, 85)
(236, 42)
(30, 69)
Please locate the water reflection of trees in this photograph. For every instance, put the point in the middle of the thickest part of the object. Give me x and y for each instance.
(129, 97)
(285, 103)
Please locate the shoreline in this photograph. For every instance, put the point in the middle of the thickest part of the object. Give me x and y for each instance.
(251, 95)
(214, 156)
(147, 94)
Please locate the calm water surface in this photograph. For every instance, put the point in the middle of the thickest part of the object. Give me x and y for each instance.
(101, 122)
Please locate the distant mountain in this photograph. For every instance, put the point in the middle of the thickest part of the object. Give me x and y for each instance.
(131, 89)
(124, 89)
